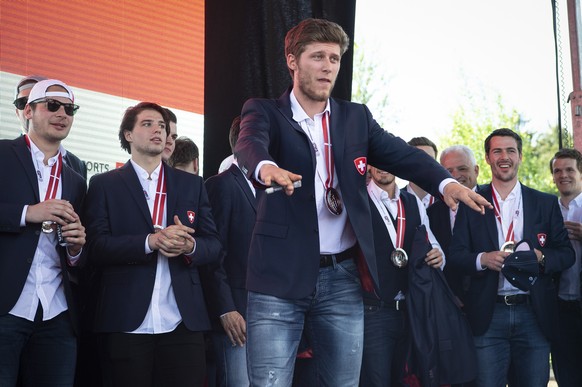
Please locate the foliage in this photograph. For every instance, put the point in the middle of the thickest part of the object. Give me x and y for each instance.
(472, 124)
(370, 86)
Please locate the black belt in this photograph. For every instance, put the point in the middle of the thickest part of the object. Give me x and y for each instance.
(327, 259)
(514, 299)
(394, 304)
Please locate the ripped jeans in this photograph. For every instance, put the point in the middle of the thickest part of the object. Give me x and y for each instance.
(333, 319)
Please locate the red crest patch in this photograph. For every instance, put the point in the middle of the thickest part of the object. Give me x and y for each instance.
(191, 215)
(361, 164)
(542, 239)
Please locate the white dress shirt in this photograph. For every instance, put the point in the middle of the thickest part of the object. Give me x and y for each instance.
(570, 278)
(44, 282)
(163, 315)
(511, 209)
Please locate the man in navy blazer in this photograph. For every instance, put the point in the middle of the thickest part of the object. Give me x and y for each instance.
(301, 262)
(234, 208)
(149, 227)
(510, 325)
(38, 323)
(460, 161)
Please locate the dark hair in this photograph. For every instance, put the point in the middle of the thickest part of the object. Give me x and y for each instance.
(185, 152)
(567, 153)
(171, 116)
(503, 132)
(130, 117)
(315, 31)
(423, 141)
(233, 133)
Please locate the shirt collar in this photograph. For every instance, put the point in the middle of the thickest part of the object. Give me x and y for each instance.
(38, 155)
(512, 195)
(381, 194)
(143, 174)
(299, 114)
(577, 200)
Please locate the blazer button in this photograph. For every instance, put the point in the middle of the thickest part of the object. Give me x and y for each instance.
(37, 232)
(29, 260)
(312, 197)
(315, 230)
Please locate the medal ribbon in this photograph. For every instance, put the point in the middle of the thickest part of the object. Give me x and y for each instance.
(55, 178)
(160, 200)
(400, 225)
(329, 164)
(509, 236)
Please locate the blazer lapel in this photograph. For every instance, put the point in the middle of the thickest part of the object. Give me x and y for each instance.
(528, 212)
(171, 194)
(23, 153)
(67, 178)
(284, 105)
(337, 133)
(131, 180)
(490, 220)
(242, 182)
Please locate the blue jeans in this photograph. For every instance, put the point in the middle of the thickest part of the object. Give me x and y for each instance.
(334, 322)
(44, 352)
(514, 336)
(231, 362)
(385, 345)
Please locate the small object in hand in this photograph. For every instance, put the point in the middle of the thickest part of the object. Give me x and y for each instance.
(276, 187)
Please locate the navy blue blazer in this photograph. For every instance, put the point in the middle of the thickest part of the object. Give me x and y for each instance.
(440, 225)
(18, 244)
(234, 210)
(284, 253)
(475, 233)
(118, 221)
(442, 339)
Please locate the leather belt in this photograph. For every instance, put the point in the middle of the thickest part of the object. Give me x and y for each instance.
(514, 299)
(327, 259)
(394, 304)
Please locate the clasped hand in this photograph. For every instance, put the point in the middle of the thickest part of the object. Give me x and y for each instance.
(173, 240)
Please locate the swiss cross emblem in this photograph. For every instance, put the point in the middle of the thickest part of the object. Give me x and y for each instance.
(191, 215)
(542, 239)
(360, 164)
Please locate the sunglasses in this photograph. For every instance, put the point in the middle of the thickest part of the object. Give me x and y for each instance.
(20, 103)
(53, 105)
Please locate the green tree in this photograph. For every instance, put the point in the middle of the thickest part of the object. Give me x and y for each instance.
(473, 122)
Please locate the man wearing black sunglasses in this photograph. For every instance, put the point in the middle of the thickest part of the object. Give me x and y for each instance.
(41, 239)
(20, 100)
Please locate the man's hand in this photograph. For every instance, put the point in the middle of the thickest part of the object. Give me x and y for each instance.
(434, 258)
(453, 193)
(55, 210)
(235, 327)
(574, 230)
(270, 174)
(74, 235)
(174, 240)
(493, 260)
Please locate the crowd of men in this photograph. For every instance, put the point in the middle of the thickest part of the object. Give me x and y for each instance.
(302, 263)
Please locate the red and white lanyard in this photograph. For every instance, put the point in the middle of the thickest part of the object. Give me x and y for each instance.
(400, 225)
(510, 235)
(160, 200)
(431, 200)
(55, 177)
(329, 164)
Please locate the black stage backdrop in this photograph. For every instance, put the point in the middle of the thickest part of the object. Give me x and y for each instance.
(244, 58)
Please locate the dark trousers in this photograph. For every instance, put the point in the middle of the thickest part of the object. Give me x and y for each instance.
(385, 346)
(567, 348)
(43, 352)
(170, 359)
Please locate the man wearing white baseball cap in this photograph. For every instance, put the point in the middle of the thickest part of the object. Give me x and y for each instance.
(41, 239)
(20, 99)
